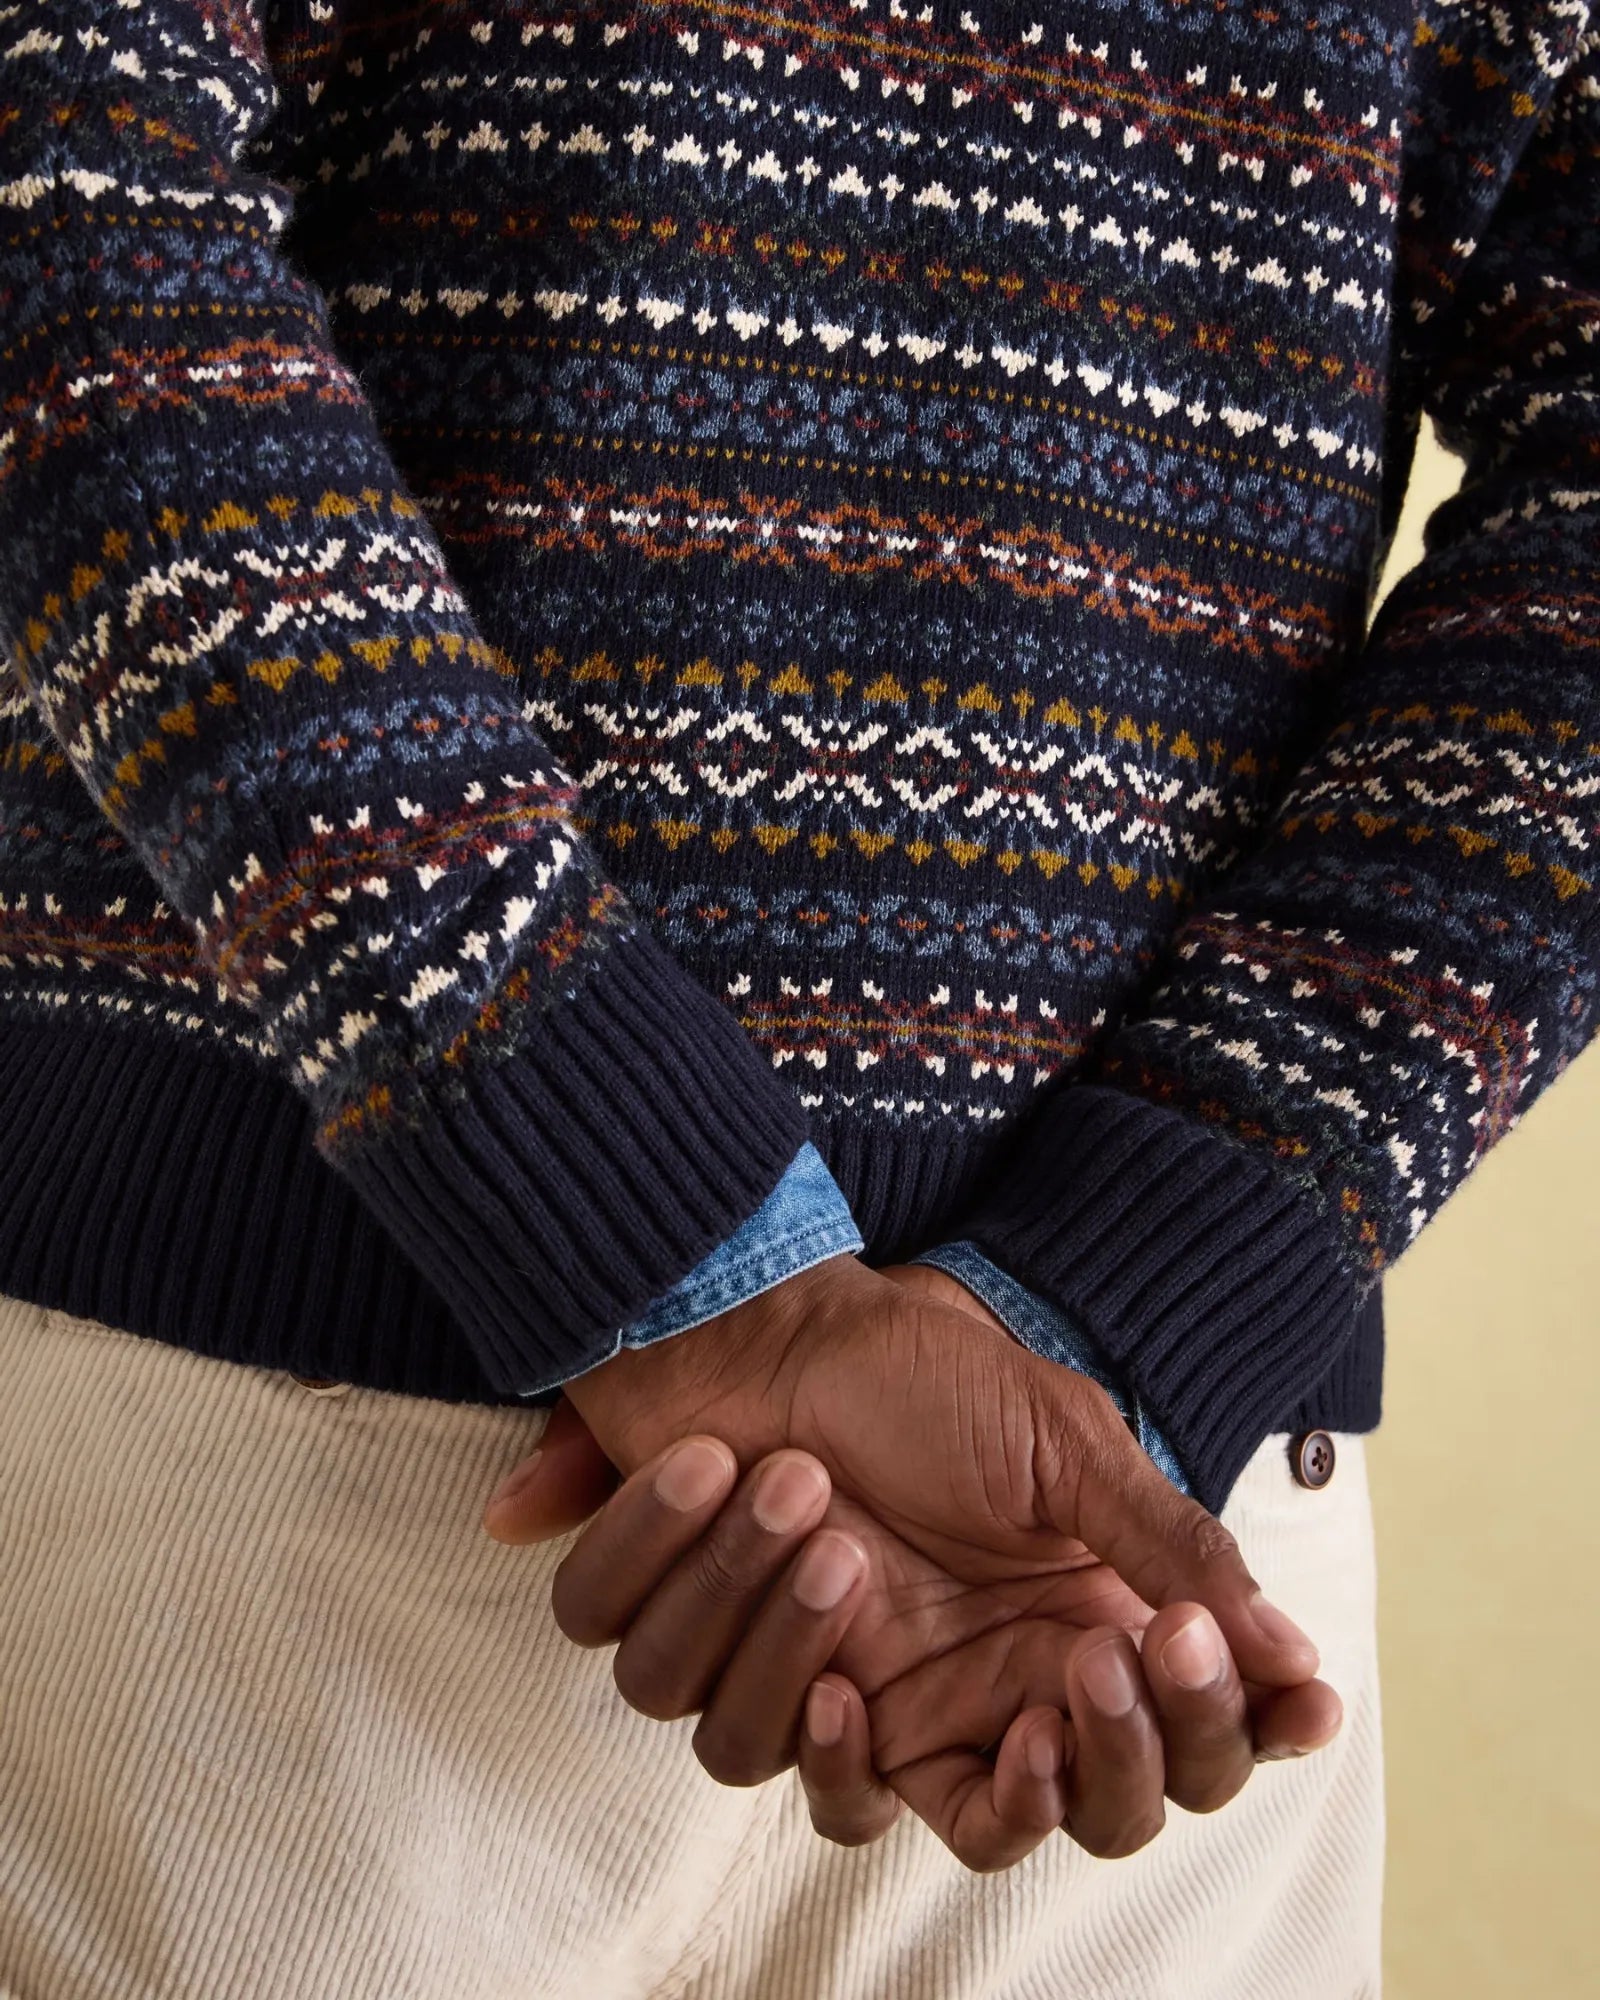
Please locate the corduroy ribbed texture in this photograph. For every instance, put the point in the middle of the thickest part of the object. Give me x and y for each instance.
(281, 1723)
(1202, 1271)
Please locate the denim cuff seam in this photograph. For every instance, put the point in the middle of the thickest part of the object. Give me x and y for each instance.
(785, 1257)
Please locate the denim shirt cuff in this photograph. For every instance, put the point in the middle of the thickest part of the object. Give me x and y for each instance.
(804, 1221)
(1051, 1333)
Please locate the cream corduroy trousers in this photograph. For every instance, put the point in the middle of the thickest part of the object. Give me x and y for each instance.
(279, 1722)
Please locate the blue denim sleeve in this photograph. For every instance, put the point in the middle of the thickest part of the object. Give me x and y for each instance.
(1049, 1332)
(803, 1221)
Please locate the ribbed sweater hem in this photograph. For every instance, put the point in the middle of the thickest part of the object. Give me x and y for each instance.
(173, 1191)
(553, 1195)
(1209, 1277)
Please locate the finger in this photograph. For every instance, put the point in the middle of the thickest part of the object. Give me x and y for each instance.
(1114, 1787)
(970, 1695)
(556, 1488)
(849, 1803)
(751, 1725)
(1294, 1722)
(1165, 1545)
(638, 1535)
(1030, 1780)
(1206, 1728)
(993, 1816)
(687, 1630)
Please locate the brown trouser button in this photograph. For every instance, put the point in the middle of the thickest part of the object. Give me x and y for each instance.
(320, 1385)
(1311, 1459)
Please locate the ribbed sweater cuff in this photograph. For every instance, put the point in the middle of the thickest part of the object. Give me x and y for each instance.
(1201, 1269)
(554, 1195)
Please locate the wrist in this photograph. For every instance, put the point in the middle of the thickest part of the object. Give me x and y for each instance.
(732, 1375)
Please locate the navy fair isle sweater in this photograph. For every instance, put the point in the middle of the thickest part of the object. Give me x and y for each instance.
(593, 591)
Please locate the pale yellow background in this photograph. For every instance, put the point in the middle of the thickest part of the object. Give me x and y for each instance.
(1484, 1483)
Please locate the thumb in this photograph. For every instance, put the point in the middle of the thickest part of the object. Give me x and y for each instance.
(1170, 1550)
(556, 1488)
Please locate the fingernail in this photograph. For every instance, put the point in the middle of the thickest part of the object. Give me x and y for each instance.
(826, 1571)
(695, 1473)
(1193, 1655)
(510, 1487)
(1108, 1679)
(1279, 1751)
(1280, 1628)
(824, 1715)
(787, 1494)
(1043, 1752)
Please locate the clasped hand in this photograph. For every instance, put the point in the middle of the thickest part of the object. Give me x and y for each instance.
(863, 1529)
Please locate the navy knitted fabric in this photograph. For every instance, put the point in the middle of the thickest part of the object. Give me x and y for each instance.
(592, 590)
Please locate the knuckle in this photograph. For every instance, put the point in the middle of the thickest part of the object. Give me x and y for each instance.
(1088, 1414)
(646, 1686)
(978, 1857)
(851, 1829)
(1210, 1541)
(1133, 1831)
(1208, 1791)
(577, 1619)
(717, 1575)
(722, 1757)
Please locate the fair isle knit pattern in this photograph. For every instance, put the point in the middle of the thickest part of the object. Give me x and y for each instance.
(592, 588)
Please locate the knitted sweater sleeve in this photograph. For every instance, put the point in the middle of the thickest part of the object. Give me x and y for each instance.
(1383, 987)
(240, 628)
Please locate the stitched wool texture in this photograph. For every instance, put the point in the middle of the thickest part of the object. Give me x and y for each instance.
(596, 588)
